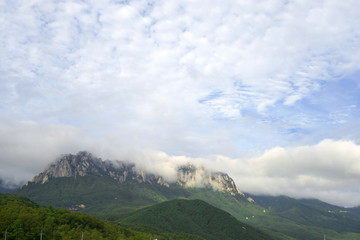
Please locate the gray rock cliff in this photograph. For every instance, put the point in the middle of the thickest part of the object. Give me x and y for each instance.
(84, 163)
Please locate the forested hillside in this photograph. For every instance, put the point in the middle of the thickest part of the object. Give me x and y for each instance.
(196, 217)
(22, 219)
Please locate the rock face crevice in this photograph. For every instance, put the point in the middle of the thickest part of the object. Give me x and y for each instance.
(84, 164)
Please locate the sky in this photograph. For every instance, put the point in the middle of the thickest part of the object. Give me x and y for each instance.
(267, 91)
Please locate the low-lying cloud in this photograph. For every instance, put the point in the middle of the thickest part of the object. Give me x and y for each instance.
(329, 170)
(28, 147)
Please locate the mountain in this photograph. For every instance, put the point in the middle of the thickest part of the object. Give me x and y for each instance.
(85, 183)
(112, 189)
(292, 216)
(85, 164)
(195, 217)
(312, 212)
(23, 219)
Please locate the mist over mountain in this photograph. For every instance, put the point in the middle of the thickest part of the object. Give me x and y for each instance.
(298, 172)
(177, 170)
(85, 164)
(7, 186)
(112, 189)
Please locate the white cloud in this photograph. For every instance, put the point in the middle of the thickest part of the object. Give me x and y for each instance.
(329, 170)
(142, 75)
(27, 147)
(278, 51)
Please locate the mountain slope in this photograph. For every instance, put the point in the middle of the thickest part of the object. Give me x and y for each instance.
(105, 198)
(101, 196)
(85, 164)
(195, 217)
(313, 212)
(109, 190)
(107, 187)
(307, 218)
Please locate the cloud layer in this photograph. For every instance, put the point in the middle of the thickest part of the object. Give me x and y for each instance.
(169, 69)
(181, 78)
(329, 170)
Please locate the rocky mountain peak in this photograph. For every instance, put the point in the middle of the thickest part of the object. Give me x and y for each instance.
(70, 165)
(84, 163)
(189, 177)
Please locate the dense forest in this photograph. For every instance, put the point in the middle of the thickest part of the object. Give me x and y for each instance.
(22, 219)
(196, 217)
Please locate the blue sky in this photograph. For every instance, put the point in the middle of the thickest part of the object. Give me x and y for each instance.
(229, 85)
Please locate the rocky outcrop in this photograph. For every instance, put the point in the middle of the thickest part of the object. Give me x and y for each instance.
(188, 176)
(84, 163)
(81, 164)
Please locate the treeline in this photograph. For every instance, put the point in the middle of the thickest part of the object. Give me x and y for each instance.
(22, 219)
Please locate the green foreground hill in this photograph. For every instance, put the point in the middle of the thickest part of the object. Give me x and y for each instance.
(23, 219)
(195, 217)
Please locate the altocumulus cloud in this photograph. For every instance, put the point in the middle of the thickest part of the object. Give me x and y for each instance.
(165, 63)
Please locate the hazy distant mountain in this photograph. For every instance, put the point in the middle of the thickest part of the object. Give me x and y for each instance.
(6, 187)
(315, 215)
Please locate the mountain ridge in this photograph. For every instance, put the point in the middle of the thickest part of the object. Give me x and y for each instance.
(112, 189)
(188, 176)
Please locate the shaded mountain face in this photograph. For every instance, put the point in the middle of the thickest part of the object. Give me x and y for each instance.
(85, 164)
